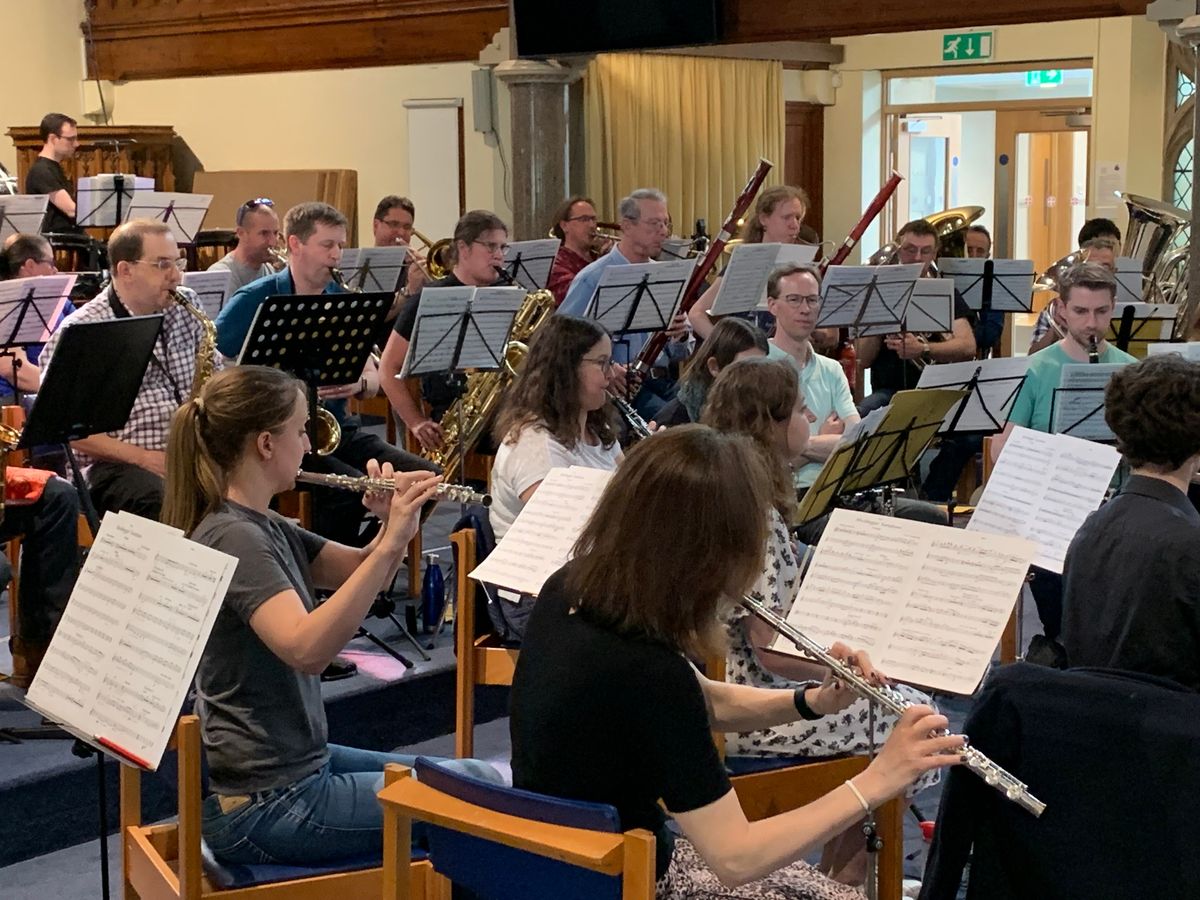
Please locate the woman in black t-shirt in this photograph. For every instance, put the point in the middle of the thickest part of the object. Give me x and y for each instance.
(606, 707)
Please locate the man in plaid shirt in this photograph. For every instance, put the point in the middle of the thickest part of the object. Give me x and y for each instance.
(125, 468)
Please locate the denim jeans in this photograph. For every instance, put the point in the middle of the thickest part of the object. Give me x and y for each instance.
(329, 815)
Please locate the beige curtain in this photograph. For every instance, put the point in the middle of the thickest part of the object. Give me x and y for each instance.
(694, 127)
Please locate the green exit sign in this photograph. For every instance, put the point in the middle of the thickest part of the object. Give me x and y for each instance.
(967, 45)
(1044, 78)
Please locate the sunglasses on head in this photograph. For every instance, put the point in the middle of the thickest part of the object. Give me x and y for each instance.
(251, 205)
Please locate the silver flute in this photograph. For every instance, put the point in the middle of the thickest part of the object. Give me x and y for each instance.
(637, 425)
(455, 493)
(893, 701)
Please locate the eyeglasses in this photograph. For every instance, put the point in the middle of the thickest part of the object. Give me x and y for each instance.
(809, 300)
(492, 247)
(604, 362)
(591, 220)
(657, 224)
(73, 139)
(163, 264)
(919, 251)
(251, 205)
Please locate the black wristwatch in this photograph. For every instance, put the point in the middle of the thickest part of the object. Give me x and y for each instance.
(802, 707)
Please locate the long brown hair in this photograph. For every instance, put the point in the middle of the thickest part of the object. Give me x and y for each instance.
(678, 534)
(752, 397)
(208, 436)
(752, 230)
(546, 391)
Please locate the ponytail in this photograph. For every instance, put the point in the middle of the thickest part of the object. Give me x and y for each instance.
(195, 485)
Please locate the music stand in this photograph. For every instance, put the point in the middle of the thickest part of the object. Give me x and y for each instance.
(22, 214)
(854, 296)
(528, 263)
(744, 282)
(1003, 285)
(29, 309)
(211, 287)
(992, 386)
(640, 297)
(1077, 404)
(183, 212)
(879, 455)
(1133, 321)
(1130, 281)
(930, 310)
(374, 269)
(103, 201)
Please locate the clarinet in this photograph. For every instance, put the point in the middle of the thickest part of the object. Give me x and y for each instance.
(1093, 349)
(637, 425)
(891, 700)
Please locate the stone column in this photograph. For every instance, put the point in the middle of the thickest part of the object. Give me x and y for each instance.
(540, 166)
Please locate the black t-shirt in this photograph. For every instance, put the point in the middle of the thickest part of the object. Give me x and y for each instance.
(610, 718)
(439, 391)
(46, 177)
(892, 372)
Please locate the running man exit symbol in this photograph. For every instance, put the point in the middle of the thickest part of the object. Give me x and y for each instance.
(967, 46)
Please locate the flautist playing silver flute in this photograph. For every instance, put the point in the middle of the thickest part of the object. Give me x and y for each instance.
(456, 493)
(1002, 780)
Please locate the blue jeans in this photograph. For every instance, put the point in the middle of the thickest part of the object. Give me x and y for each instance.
(329, 815)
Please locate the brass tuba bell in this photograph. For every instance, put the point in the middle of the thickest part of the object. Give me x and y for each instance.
(951, 226)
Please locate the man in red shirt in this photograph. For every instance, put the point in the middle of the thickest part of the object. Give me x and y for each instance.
(575, 225)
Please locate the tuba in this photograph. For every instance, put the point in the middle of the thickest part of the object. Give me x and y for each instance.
(1153, 229)
(951, 226)
(474, 410)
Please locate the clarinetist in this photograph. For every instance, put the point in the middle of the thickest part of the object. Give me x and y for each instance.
(231, 449)
(606, 707)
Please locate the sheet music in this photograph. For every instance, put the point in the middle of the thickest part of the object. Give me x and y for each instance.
(1077, 406)
(22, 213)
(744, 281)
(1129, 280)
(1012, 281)
(184, 213)
(658, 301)
(543, 535)
(211, 287)
(436, 346)
(536, 259)
(96, 198)
(855, 296)
(492, 312)
(123, 657)
(930, 310)
(929, 603)
(987, 407)
(373, 268)
(1189, 351)
(1151, 321)
(1042, 488)
(49, 297)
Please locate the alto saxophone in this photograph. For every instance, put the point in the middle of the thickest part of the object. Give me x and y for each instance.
(474, 409)
(206, 352)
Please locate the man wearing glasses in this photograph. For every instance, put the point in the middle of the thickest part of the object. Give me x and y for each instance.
(794, 299)
(480, 240)
(575, 225)
(46, 176)
(125, 468)
(26, 256)
(257, 235)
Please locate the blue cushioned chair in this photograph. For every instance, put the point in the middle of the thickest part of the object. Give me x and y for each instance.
(508, 844)
(170, 860)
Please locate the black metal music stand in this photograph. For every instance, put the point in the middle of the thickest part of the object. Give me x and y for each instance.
(1077, 404)
(856, 296)
(324, 340)
(113, 205)
(29, 307)
(1130, 320)
(22, 213)
(528, 263)
(992, 388)
(97, 371)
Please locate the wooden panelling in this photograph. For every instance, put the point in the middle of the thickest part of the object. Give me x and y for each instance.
(139, 39)
(138, 149)
(804, 157)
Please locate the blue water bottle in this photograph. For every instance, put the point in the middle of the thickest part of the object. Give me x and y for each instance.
(433, 594)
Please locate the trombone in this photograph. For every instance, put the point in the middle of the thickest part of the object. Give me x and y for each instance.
(438, 260)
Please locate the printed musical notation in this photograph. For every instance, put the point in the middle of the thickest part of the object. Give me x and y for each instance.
(927, 602)
(542, 537)
(1042, 488)
(126, 650)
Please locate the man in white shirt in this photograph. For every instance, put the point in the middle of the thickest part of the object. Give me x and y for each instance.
(257, 235)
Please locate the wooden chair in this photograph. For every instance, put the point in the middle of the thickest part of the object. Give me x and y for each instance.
(767, 786)
(166, 861)
(507, 844)
(481, 660)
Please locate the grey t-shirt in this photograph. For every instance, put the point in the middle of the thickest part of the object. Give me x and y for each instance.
(242, 274)
(263, 721)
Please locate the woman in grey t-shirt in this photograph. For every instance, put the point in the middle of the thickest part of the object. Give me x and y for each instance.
(281, 793)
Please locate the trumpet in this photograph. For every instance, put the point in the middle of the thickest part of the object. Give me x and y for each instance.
(892, 701)
(456, 493)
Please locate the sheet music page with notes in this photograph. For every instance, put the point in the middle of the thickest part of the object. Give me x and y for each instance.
(1077, 405)
(123, 657)
(435, 332)
(927, 602)
(1042, 488)
(540, 541)
(492, 312)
